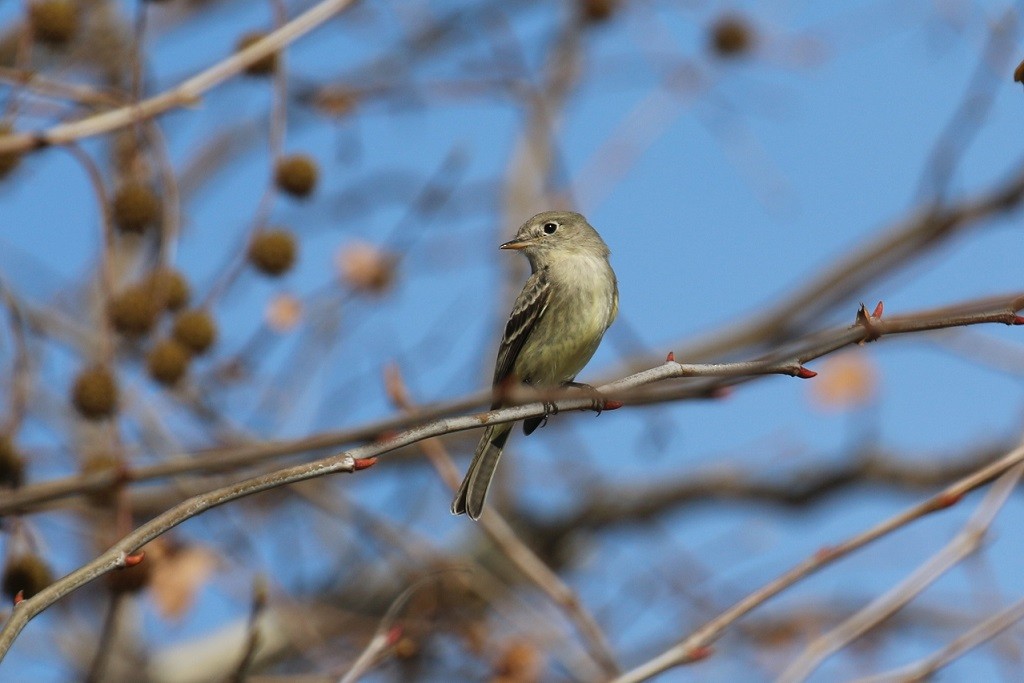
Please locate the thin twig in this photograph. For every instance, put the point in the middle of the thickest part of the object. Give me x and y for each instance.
(924, 669)
(711, 377)
(508, 543)
(185, 94)
(253, 640)
(696, 646)
(963, 544)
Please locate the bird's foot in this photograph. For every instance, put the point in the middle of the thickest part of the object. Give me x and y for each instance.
(600, 403)
(549, 409)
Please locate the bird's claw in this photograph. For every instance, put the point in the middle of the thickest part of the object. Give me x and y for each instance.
(599, 401)
(549, 409)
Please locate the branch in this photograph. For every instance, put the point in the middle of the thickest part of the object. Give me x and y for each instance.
(696, 646)
(498, 530)
(608, 505)
(923, 230)
(120, 554)
(868, 328)
(887, 604)
(699, 381)
(930, 665)
(186, 94)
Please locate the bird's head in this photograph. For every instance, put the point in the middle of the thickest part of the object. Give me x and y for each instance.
(562, 232)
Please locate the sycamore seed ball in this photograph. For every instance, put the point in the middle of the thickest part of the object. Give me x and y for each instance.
(53, 21)
(108, 463)
(167, 362)
(170, 288)
(296, 174)
(27, 574)
(731, 36)
(195, 330)
(94, 393)
(8, 160)
(135, 207)
(12, 464)
(273, 252)
(134, 311)
(261, 67)
(597, 10)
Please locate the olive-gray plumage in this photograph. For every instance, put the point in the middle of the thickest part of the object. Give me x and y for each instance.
(554, 329)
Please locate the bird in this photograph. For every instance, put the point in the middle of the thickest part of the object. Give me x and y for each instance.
(556, 324)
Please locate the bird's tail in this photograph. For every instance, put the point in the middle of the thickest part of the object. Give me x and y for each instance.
(470, 498)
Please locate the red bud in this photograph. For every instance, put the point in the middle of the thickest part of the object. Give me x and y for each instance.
(947, 500)
(824, 553)
(134, 559)
(699, 653)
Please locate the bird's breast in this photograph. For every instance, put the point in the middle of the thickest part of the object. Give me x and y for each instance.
(581, 307)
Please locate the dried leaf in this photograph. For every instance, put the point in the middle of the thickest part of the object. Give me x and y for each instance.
(283, 312)
(179, 576)
(844, 382)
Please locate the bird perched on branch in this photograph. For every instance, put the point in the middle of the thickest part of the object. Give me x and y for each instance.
(555, 327)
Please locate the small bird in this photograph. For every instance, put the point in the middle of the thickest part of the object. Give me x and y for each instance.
(555, 327)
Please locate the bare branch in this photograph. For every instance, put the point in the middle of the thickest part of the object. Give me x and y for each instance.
(696, 646)
(965, 543)
(185, 94)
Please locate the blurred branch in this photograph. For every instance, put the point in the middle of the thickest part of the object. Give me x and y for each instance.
(257, 608)
(42, 85)
(612, 505)
(185, 94)
(696, 646)
(386, 636)
(108, 637)
(120, 554)
(512, 547)
(707, 380)
(927, 667)
(926, 229)
(867, 328)
(966, 542)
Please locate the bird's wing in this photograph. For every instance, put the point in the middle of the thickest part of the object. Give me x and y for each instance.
(528, 309)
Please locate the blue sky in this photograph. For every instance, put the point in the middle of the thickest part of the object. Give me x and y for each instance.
(735, 193)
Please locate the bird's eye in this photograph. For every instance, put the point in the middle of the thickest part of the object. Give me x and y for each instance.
(550, 228)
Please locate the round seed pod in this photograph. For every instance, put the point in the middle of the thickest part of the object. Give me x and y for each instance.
(273, 252)
(12, 464)
(296, 174)
(731, 36)
(170, 288)
(103, 462)
(597, 10)
(94, 393)
(53, 22)
(134, 311)
(195, 330)
(8, 160)
(27, 573)
(261, 67)
(135, 207)
(167, 362)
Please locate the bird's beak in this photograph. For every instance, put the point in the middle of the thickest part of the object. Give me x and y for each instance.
(516, 244)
